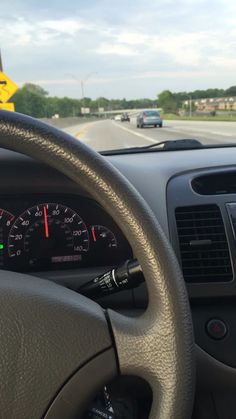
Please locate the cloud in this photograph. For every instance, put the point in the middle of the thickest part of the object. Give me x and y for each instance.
(22, 32)
(104, 80)
(115, 49)
(132, 38)
(63, 26)
(184, 49)
(228, 64)
(171, 44)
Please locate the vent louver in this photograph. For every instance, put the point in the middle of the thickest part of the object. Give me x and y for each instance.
(203, 244)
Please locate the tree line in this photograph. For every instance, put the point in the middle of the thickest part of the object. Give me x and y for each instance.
(171, 102)
(33, 100)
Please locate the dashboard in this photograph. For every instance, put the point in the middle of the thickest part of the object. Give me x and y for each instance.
(56, 231)
(44, 210)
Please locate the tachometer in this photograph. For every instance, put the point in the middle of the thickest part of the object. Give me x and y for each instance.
(46, 234)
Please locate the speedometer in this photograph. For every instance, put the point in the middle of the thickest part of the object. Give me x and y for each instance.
(46, 234)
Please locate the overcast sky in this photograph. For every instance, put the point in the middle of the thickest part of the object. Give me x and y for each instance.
(123, 48)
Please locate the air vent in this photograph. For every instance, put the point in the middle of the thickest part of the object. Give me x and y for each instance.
(215, 183)
(203, 244)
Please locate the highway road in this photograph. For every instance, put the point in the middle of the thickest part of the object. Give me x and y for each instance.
(109, 134)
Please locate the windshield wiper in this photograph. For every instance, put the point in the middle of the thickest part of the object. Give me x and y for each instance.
(183, 144)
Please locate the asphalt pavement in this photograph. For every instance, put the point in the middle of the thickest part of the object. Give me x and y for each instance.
(110, 134)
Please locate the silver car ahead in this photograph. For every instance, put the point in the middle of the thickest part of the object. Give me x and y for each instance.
(149, 118)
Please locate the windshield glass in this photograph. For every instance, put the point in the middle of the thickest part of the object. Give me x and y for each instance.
(151, 113)
(97, 68)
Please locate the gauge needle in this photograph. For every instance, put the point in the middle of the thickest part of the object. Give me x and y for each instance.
(46, 222)
(93, 234)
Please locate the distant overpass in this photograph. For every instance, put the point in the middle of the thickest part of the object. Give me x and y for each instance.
(129, 111)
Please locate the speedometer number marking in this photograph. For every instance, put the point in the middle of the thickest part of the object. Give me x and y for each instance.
(48, 233)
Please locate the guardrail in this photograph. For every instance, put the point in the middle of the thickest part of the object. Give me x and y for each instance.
(68, 122)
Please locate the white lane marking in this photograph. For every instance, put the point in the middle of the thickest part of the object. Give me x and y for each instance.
(138, 134)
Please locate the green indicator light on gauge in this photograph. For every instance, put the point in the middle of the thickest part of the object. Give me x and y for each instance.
(1, 246)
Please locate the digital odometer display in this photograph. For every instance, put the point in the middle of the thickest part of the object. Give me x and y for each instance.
(48, 233)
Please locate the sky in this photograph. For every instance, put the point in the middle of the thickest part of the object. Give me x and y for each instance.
(132, 49)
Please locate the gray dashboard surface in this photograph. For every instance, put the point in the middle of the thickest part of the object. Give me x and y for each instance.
(151, 172)
(148, 172)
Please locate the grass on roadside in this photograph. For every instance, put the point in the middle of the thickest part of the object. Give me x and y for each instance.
(226, 118)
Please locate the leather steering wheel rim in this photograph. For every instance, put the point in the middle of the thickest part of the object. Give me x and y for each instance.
(158, 346)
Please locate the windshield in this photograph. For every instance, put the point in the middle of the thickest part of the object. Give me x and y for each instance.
(121, 74)
(151, 113)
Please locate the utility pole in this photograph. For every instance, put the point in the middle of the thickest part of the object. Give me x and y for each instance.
(6, 93)
(83, 81)
(1, 67)
(190, 106)
(82, 89)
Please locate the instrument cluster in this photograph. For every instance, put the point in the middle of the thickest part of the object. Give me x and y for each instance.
(50, 232)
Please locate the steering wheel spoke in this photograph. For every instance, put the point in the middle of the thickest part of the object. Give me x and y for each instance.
(148, 349)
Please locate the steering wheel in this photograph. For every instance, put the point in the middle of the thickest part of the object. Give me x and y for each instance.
(57, 347)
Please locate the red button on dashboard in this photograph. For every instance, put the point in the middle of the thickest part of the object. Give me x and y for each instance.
(216, 329)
